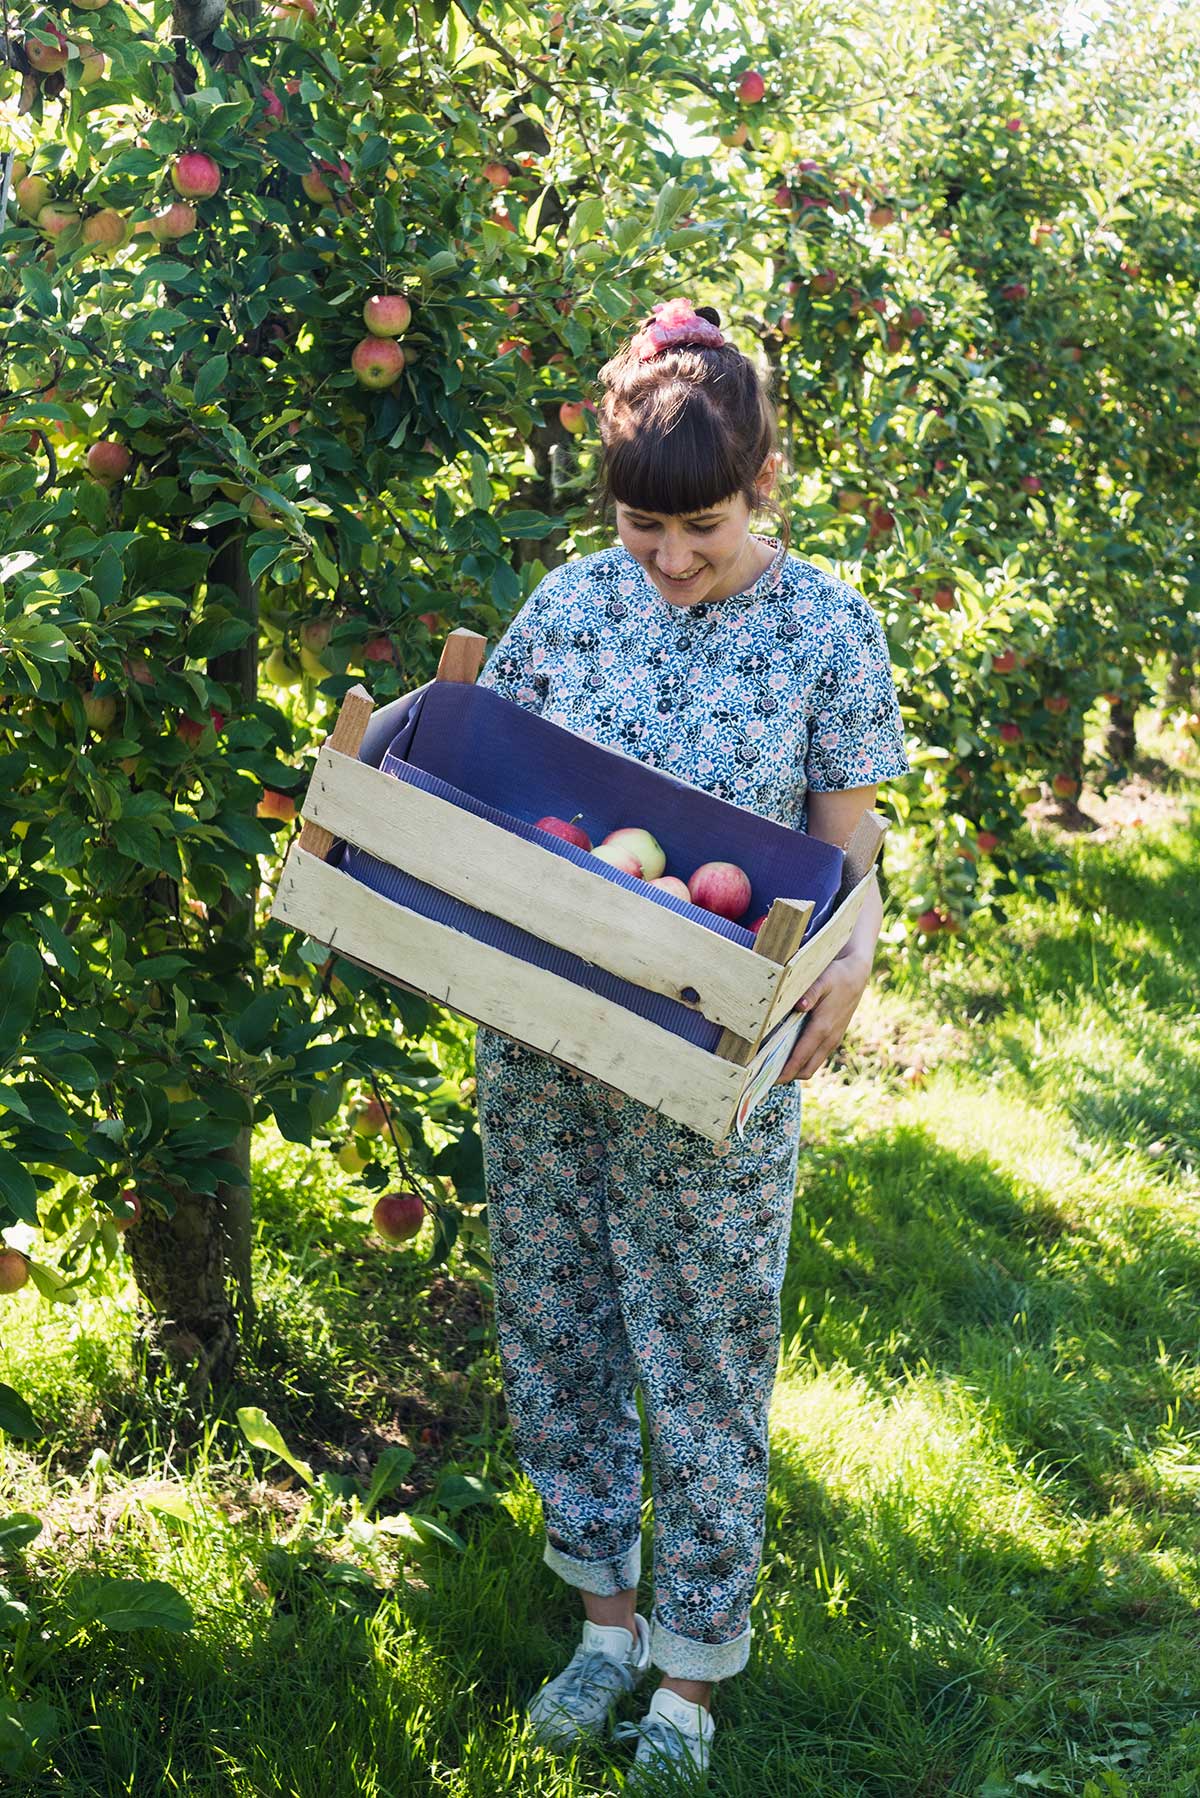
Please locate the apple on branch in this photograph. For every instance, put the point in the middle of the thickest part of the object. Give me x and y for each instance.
(276, 805)
(378, 362)
(108, 461)
(14, 1270)
(398, 1215)
(195, 176)
(387, 314)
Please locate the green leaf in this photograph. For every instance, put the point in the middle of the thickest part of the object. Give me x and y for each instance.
(19, 1528)
(20, 978)
(393, 1468)
(122, 1605)
(16, 1419)
(481, 486)
(18, 1194)
(457, 1491)
(253, 1027)
(260, 1432)
(211, 379)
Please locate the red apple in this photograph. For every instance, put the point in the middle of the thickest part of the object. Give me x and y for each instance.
(668, 883)
(751, 88)
(720, 887)
(508, 344)
(379, 649)
(195, 176)
(276, 805)
(398, 1215)
(616, 857)
(387, 315)
(378, 362)
(825, 281)
(1015, 290)
(106, 230)
(496, 174)
(1031, 483)
(1005, 662)
(757, 924)
(644, 849)
(1057, 703)
(986, 840)
(14, 1270)
(1065, 785)
(1013, 124)
(47, 59)
(431, 620)
(882, 521)
(570, 416)
(568, 829)
(1010, 732)
(129, 1200)
(943, 597)
(108, 461)
(190, 729)
(783, 197)
(881, 215)
(929, 922)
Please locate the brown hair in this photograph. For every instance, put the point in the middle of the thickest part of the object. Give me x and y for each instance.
(684, 429)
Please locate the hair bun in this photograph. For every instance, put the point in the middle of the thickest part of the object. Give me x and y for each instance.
(710, 313)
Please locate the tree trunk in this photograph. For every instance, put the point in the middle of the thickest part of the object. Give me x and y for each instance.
(194, 1269)
(1120, 737)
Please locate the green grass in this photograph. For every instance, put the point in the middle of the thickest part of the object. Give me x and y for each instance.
(981, 1575)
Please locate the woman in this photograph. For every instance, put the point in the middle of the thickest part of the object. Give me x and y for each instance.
(627, 1249)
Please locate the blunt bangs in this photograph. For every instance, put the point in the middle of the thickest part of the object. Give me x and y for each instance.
(676, 459)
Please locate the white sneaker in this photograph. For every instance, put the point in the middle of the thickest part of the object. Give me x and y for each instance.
(673, 1740)
(577, 1703)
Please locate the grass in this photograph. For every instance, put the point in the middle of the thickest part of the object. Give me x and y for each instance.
(981, 1569)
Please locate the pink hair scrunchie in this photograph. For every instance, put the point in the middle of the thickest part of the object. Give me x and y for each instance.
(674, 324)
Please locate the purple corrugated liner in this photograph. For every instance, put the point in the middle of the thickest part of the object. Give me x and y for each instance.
(529, 764)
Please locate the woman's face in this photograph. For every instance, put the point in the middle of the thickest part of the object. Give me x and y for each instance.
(712, 550)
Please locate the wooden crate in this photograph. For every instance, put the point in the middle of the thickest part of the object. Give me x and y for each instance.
(746, 991)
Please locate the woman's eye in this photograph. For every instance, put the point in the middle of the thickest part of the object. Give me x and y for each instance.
(700, 530)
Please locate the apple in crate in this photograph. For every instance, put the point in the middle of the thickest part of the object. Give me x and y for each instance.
(642, 847)
(398, 1215)
(757, 925)
(566, 828)
(617, 857)
(720, 887)
(670, 883)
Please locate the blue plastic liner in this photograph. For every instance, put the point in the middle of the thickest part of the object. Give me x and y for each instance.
(479, 751)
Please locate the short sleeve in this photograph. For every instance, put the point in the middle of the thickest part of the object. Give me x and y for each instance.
(518, 668)
(856, 737)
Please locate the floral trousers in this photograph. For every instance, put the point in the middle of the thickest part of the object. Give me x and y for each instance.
(629, 1251)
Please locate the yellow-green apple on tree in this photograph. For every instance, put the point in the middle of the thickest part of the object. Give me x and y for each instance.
(175, 221)
(378, 362)
(351, 1158)
(644, 849)
(398, 1215)
(387, 314)
(195, 176)
(54, 220)
(14, 1270)
(32, 193)
(106, 230)
(47, 58)
(720, 887)
(735, 137)
(93, 64)
(279, 671)
(99, 708)
(315, 184)
(369, 1119)
(571, 415)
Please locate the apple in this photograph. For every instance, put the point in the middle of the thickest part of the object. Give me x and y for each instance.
(1015, 290)
(669, 883)
(108, 461)
(616, 857)
(644, 849)
(195, 176)
(1005, 662)
(720, 887)
(568, 829)
(398, 1215)
(286, 12)
(130, 1210)
(757, 925)
(880, 215)
(93, 64)
(929, 922)
(986, 841)
(32, 193)
(882, 521)
(783, 197)
(137, 671)
(99, 708)
(190, 729)
(387, 315)
(751, 88)
(496, 174)
(54, 219)
(431, 620)
(378, 362)
(175, 221)
(47, 59)
(1065, 785)
(1013, 124)
(379, 649)
(943, 597)
(315, 184)
(570, 416)
(1029, 794)
(554, 27)
(825, 281)
(315, 633)
(911, 318)
(273, 109)
(1031, 483)
(351, 1158)
(369, 1119)
(508, 344)
(734, 138)
(1010, 732)
(1058, 703)
(850, 500)
(276, 805)
(106, 230)
(279, 671)
(14, 1270)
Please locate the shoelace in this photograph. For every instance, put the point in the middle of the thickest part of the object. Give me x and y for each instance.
(591, 1670)
(666, 1739)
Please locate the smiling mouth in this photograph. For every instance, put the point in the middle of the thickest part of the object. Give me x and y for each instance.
(681, 580)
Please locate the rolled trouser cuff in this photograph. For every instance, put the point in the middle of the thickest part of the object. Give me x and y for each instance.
(604, 1578)
(682, 1657)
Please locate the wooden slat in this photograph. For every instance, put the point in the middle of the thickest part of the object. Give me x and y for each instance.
(819, 951)
(346, 737)
(609, 925)
(550, 1014)
(462, 656)
(777, 940)
(862, 851)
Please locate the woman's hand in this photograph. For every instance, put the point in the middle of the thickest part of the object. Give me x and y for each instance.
(831, 1002)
